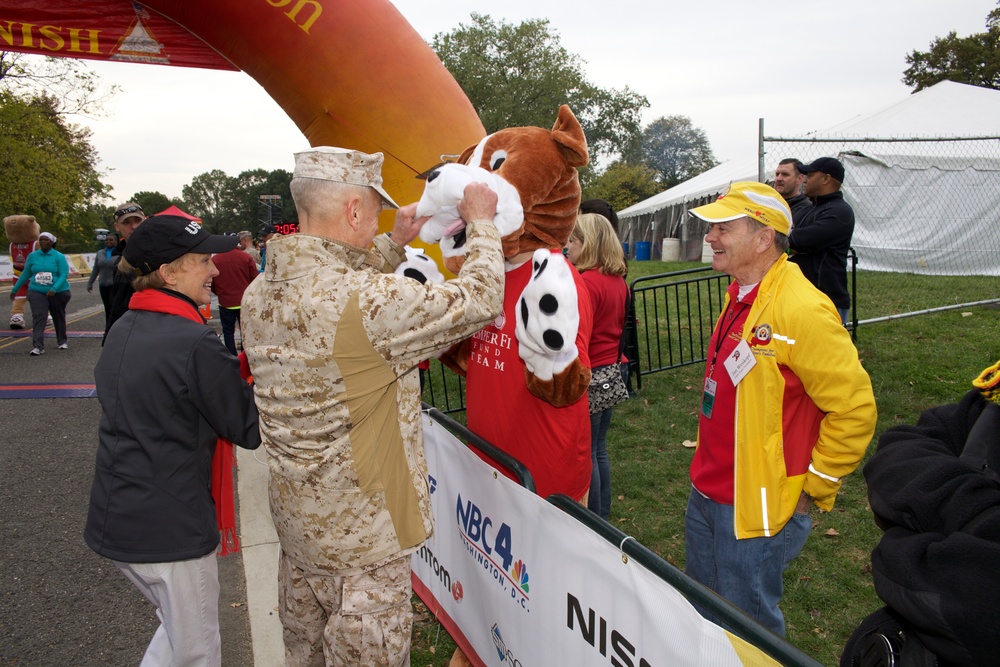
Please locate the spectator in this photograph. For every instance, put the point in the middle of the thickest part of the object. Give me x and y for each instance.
(596, 252)
(236, 271)
(601, 207)
(334, 338)
(127, 218)
(266, 233)
(168, 389)
(787, 410)
(788, 180)
(105, 265)
(821, 239)
(46, 273)
(247, 246)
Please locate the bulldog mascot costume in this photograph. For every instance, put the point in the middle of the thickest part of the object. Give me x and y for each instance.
(527, 372)
(22, 231)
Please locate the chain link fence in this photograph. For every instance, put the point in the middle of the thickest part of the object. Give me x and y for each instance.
(927, 211)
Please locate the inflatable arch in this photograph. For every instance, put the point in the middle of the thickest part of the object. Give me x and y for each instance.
(349, 73)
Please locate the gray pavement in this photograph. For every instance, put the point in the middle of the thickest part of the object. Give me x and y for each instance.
(60, 603)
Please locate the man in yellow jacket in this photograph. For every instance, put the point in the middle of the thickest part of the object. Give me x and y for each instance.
(787, 410)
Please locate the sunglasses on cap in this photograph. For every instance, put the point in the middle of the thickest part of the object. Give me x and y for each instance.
(128, 209)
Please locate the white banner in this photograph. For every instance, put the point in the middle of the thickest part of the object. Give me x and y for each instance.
(519, 583)
(78, 264)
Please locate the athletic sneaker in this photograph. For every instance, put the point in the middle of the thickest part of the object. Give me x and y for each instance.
(64, 346)
(36, 351)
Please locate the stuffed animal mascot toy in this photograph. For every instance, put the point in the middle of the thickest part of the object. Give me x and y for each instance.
(22, 231)
(527, 372)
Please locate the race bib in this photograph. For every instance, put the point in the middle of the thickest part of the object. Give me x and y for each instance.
(43, 278)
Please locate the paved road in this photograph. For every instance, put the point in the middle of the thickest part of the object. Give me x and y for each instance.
(60, 603)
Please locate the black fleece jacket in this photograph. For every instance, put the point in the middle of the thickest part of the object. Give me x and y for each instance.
(168, 389)
(935, 490)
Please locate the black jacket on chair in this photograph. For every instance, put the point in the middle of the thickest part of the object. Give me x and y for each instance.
(935, 490)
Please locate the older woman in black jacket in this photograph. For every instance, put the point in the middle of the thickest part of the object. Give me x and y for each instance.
(168, 389)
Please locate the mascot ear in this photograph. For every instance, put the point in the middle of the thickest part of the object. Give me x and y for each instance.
(568, 134)
(466, 154)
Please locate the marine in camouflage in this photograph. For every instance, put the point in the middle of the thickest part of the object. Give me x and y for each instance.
(333, 344)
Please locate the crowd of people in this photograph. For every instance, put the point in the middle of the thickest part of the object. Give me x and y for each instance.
(329, 389)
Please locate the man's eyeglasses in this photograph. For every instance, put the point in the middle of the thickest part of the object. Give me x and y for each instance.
(128, 209)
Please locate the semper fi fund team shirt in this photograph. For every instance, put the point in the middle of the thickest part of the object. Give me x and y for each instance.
(712, 465)
(554, 443)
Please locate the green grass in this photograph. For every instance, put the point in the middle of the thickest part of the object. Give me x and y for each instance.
(915, 363)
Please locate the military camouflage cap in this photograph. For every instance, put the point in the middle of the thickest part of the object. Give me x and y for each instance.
(343, 165)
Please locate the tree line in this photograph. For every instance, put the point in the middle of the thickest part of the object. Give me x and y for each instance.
(514, 75)
(48, 166)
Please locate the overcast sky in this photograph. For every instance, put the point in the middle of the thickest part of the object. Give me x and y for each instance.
(724, 63)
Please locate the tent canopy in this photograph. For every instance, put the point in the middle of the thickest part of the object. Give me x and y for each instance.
(173, 210)
(946, 109)
(955, 160)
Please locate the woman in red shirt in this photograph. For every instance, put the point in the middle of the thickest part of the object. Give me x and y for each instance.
(594, 249)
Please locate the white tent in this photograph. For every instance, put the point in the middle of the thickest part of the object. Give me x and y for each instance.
(929, 206)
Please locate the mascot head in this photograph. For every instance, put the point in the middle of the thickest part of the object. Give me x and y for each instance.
(542, 166)
(21, 228)
(534, 173)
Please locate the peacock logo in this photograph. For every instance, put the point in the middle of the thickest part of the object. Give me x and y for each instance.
(519, 572)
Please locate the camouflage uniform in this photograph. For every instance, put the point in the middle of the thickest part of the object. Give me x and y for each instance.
(333, 344)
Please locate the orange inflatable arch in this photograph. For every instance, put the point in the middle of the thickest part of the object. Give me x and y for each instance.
(349, 73)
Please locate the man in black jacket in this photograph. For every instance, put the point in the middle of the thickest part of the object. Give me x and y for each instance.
(820, 240)
(127, 218)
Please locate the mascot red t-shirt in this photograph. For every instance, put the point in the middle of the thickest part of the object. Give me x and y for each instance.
(554, 443)
(527, 373)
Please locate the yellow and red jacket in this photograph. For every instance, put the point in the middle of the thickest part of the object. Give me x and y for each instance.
(784, 446)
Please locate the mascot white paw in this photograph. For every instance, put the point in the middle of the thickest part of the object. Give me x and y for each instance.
(420, 267)
(547, 316)
(445, 188)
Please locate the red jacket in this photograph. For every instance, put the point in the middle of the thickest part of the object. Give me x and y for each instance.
(236, 271)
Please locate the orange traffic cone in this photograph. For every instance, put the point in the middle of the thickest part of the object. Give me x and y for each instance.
(206, 311)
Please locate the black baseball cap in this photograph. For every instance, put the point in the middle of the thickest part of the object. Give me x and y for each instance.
(267, 229)
(827, 165)
(161, 239)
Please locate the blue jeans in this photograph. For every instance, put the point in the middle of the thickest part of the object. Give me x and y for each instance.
(599, 501)
(746, 572)
(228, 317)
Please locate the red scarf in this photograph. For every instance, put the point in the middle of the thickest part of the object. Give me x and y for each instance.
(223, 462)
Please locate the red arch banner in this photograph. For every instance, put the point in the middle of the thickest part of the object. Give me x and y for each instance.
(349, 73)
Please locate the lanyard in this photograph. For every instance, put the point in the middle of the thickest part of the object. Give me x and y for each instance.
(732, 317)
